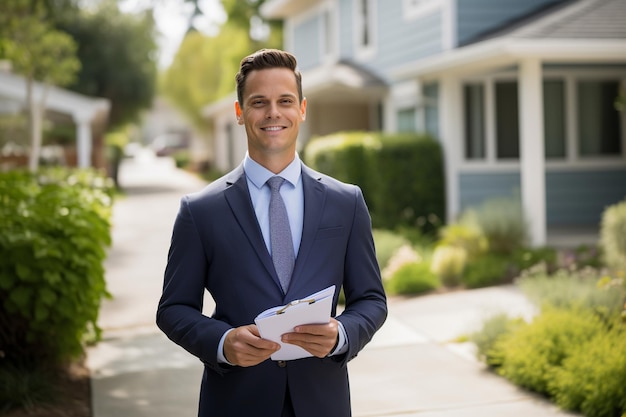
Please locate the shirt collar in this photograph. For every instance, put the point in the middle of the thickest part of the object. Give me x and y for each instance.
(259, 175)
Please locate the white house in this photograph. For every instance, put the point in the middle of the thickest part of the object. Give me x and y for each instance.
(89, 114)
(520, 93)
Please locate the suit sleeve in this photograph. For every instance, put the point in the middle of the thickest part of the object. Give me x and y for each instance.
(179, 313)
(366, 305)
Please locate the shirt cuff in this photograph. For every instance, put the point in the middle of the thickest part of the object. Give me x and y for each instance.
(342, 343)
(221, 358)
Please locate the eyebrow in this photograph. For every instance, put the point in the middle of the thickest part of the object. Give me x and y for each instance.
(285, 95)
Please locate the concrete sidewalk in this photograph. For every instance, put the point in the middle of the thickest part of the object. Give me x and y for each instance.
(411, 368)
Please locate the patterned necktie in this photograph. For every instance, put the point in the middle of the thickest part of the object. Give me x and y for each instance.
(280, 234)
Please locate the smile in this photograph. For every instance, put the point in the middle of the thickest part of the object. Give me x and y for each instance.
(272, 128)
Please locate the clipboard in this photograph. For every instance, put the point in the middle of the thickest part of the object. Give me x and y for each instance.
(276, 321)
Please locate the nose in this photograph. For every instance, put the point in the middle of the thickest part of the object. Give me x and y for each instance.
(273, 112)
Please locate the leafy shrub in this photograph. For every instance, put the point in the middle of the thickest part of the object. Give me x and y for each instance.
(530, 355)
(525, 258)
(613, 235)
(492, 330)
(387, 243)
(401, 175)
(588, 289)
(593, 379)
(412, 278)
(448, 264)
(501, 221)
(487, 270)
(466, 236)
(55, 229)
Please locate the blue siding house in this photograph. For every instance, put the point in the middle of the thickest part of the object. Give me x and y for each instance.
(520, 93)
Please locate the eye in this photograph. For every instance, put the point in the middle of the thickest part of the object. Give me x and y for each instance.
(257, 103)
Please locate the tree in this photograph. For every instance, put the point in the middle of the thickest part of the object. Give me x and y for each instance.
(203, 70)
(246, 15)
(39, 53)
(118, 53)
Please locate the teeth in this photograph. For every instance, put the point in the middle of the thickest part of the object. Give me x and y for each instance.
(273, 129)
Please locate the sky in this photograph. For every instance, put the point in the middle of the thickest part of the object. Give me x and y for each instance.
(172, 17)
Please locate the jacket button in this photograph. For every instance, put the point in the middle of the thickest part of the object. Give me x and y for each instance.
(281, 364)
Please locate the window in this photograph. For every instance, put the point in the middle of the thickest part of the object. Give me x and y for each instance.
(474, 97)
(364, 25)
(407, 121)
(507, 120)
(554, 119)
(599, 130)
(598, 125)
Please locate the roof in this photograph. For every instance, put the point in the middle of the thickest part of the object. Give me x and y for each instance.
(344, 80)
(581, 31)
(79, 106)
(586, 19)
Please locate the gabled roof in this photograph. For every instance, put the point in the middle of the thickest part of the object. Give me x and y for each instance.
(581, 31)
(79, 106)
(343, 81)
(588, 19)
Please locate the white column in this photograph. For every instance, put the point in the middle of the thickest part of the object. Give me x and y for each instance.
(450, 131)
(532, 159)
(83, 141)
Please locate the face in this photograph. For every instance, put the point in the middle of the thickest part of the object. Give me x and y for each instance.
(271, 113)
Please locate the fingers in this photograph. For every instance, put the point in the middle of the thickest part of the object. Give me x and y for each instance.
(317, 339)
(243, 346)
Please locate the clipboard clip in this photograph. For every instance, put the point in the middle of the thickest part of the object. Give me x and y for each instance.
(293, 303)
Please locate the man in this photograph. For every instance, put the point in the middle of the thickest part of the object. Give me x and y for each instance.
(223, 240)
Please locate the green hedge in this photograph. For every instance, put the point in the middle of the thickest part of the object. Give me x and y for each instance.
(574, 350)
(401, 175)
(55, 230)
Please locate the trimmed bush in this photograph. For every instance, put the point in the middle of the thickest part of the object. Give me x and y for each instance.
(530, 355)
(486, 270)
(401, 175)
(55, 229)
(593, 379)
(613, 235)
(412, 278)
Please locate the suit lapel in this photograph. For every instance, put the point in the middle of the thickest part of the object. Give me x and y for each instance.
(314, 198)
(238, 198)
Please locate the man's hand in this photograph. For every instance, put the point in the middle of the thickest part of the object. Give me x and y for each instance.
(317, 339)
(243, 346)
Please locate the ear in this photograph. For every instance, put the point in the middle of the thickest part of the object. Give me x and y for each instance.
(303, 109)
(238, 113)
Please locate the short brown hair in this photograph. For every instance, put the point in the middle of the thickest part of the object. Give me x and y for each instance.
(266, 59)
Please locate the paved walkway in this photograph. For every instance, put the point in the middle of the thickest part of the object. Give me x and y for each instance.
(411, 368)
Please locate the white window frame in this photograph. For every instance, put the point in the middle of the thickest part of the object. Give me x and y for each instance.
(328, 15)
(572, 159)
(365, 52)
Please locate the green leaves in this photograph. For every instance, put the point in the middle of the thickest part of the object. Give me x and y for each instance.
(56, 227)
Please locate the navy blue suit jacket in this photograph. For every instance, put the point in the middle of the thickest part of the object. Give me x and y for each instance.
(217, 245)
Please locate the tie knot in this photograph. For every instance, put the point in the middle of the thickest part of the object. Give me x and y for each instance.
(275, 183)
